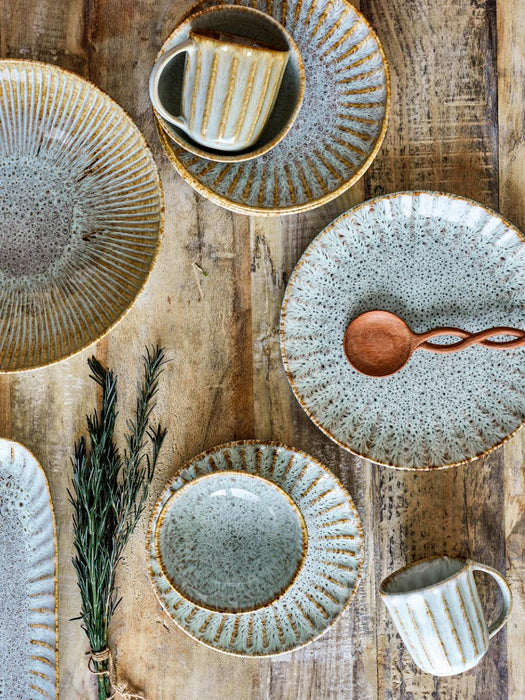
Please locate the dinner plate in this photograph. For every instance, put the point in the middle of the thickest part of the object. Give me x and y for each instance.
(338, 131)
(435, 260)
(80, 214)
(254, 548)
(28, 632)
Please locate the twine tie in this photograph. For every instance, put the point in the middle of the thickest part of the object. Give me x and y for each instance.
(120, 690)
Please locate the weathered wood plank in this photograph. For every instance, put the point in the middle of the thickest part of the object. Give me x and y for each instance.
(197, 304)
(443, 136)
(342, 663)
(44, 30)
(511, 98)
(44, 409)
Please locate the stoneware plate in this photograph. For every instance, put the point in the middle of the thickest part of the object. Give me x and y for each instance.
(337, 133)
(80, 214)
(246, 22)
(435, 260)
(255, 549)
(28, 641)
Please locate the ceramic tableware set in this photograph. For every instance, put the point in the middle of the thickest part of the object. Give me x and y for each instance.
(256, 548)
(329, 117)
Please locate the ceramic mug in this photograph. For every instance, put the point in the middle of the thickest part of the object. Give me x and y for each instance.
(229, 89)
(435, 606)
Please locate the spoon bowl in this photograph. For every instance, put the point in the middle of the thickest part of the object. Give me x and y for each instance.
(378, 343)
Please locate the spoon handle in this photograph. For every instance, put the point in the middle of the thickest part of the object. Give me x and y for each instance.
(481, 338)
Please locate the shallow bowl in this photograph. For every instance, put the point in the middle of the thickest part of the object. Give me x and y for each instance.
(251, 23)
(231, 542)
(80, 214)
(434, 259)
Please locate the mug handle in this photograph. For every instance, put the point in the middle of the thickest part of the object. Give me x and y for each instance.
(495, 627)
(154, 79)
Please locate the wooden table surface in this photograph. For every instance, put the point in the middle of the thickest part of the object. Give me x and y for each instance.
(458, 82)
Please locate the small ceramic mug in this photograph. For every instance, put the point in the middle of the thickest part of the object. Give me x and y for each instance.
(229, 89)
(435, 606)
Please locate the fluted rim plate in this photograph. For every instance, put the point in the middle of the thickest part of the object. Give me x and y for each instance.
(435, 260)
(337, 133)
(82, 214)
(28, 624)
(326, 581)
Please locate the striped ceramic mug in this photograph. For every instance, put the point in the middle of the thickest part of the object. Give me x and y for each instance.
(436, 609)
(229, 89)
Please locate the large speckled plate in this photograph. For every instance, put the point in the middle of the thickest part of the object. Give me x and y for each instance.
(28, 641)
(435, 260)
(80, 214)
(318, 592)
(338, 131)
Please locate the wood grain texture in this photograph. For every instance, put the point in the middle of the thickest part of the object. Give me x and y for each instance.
(214, 301)
(442, 136)
(511, 97)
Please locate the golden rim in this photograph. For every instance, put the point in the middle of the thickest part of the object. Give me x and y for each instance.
(55, 542)
(233, 40)
(312, 204)
(413, 565)
(218, 157)
(368, 202)
(187, 486)
(359, 568)
(155, 171)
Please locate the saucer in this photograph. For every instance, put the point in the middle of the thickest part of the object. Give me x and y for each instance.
(254, 549)
(337, 133)
(250, 23)
(80, 209)
(434, 260)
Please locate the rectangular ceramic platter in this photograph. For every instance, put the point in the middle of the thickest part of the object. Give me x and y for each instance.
(28, 643)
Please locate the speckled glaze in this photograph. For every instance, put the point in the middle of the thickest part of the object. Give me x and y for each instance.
(321, 586)
(435, 606)
(28, 640)
(228, 95)
(338, 131)
(435, 260)
(231, 541)
(80, 214)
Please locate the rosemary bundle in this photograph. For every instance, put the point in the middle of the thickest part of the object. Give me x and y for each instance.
(109, 492)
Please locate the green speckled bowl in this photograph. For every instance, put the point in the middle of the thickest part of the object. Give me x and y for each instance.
(230, 541)
(255, 549)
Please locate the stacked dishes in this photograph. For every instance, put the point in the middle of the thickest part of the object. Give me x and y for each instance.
(317, 151)
(255, 549)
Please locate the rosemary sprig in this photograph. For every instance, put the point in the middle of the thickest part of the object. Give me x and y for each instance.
(109, 492)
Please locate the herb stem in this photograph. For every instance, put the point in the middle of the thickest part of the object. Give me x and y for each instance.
(109, 492)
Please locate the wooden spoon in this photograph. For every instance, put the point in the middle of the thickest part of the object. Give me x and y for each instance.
(379, 343)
